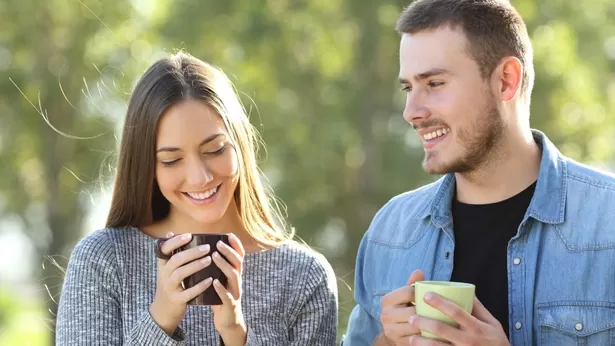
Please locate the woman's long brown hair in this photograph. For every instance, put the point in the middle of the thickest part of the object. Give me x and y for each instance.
(137, 200)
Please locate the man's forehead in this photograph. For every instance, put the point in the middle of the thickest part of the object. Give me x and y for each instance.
(425, 50)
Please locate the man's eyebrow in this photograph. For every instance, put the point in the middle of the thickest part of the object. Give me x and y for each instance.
(205, 141)
(425, 75)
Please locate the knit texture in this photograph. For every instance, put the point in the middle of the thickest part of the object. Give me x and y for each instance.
(289, 296)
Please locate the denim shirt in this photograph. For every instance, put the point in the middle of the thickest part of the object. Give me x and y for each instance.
(561, 262)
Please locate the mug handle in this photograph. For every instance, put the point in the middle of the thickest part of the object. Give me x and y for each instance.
(158, 250)
(163, 256)
(411, 303)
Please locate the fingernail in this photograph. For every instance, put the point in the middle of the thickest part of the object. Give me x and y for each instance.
(216, 255)
(206, 281)
(186, 236)
(204, 248)
(220, 244)
(411, 319)
(411, 339)
(216, 282)
(206, 260)
(169, 235)
(428, 296)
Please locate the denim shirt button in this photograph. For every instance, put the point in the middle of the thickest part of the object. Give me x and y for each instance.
(578, 326)
(518, 325)
(516, 261)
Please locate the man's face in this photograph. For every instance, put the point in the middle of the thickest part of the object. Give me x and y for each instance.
(449, 104)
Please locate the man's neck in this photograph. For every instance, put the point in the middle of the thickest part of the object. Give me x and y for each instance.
(515, 167)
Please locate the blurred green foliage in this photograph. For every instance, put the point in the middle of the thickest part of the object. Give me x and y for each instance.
(318, 78)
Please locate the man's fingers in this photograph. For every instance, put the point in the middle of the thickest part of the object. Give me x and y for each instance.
(452, 310)
(399, 297)
(400, 330)
(397, 315)
(479, 311)
(416, 275)
(437, 328)
(418, 340)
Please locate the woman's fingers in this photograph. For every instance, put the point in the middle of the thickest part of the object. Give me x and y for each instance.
(223, 293)
(179, 274)
(231, 274)
(236, 245)
(195, 290)
(232, 256)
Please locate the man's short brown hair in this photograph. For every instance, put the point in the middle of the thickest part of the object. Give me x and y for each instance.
(494, 30)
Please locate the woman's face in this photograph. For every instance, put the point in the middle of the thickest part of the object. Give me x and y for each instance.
(197, 167)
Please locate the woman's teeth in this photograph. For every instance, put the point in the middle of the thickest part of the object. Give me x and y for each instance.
(436, 134)
(203, 195)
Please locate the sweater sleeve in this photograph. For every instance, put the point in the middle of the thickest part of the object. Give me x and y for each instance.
(316, 311)
(90, 312)
(316, 322)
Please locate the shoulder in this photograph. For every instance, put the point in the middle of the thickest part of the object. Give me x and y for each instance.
(403, 209)
(98, 246)
(318, 267)
(301, 257)
(293, 261)
(590, 195)
(590, 177)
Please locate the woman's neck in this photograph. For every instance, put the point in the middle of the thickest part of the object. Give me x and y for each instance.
(180, 223)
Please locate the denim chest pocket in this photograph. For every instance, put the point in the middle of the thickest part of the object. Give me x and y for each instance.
(576, 323)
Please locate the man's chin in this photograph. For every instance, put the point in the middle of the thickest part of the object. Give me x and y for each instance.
(432, 167)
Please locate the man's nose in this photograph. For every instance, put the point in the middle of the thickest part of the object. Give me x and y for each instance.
(415, 110)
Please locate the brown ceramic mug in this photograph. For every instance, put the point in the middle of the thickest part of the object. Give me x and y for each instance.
(209, 296)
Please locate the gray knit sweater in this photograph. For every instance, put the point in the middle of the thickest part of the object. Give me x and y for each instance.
(289, 296)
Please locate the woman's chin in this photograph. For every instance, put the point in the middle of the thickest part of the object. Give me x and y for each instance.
(210, 217)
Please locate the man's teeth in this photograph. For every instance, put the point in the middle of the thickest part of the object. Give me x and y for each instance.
(436, 134)
(202, 195)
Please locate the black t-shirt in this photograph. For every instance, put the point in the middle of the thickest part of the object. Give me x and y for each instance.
(482, 233)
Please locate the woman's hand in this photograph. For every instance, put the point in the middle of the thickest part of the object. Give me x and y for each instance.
(170, 301)
(228, 318)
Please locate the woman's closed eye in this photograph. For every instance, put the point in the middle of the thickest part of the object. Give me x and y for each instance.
(217, 152)
(170, 162)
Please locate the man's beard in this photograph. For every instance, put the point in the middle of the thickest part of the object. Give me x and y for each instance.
(479, 142)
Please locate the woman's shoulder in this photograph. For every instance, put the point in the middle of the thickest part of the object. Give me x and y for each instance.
(294, 256)
(100, 245)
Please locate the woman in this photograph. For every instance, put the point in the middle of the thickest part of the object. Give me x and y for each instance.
(187, 165)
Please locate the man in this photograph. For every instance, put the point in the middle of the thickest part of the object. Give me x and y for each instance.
(532, 229)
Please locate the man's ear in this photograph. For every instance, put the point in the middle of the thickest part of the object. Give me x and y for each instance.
(507, 78)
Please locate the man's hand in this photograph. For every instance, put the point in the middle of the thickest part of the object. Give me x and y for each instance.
(395, 314)
(478, 328)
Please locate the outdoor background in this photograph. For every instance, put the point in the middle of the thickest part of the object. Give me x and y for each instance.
(319, 79)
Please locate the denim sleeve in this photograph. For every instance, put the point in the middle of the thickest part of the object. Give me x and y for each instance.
(363, 325)
(362, 328)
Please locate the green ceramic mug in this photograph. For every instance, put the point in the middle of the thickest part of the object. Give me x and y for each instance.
(459, 293)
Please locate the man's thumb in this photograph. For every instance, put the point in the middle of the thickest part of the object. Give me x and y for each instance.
(416, 275)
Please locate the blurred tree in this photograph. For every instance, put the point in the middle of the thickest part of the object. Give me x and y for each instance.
(318, 77)
(54, 55)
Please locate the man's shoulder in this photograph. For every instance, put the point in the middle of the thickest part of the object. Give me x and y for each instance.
(413, 203)
(590, 197)
(404, 209)
(589, 177)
